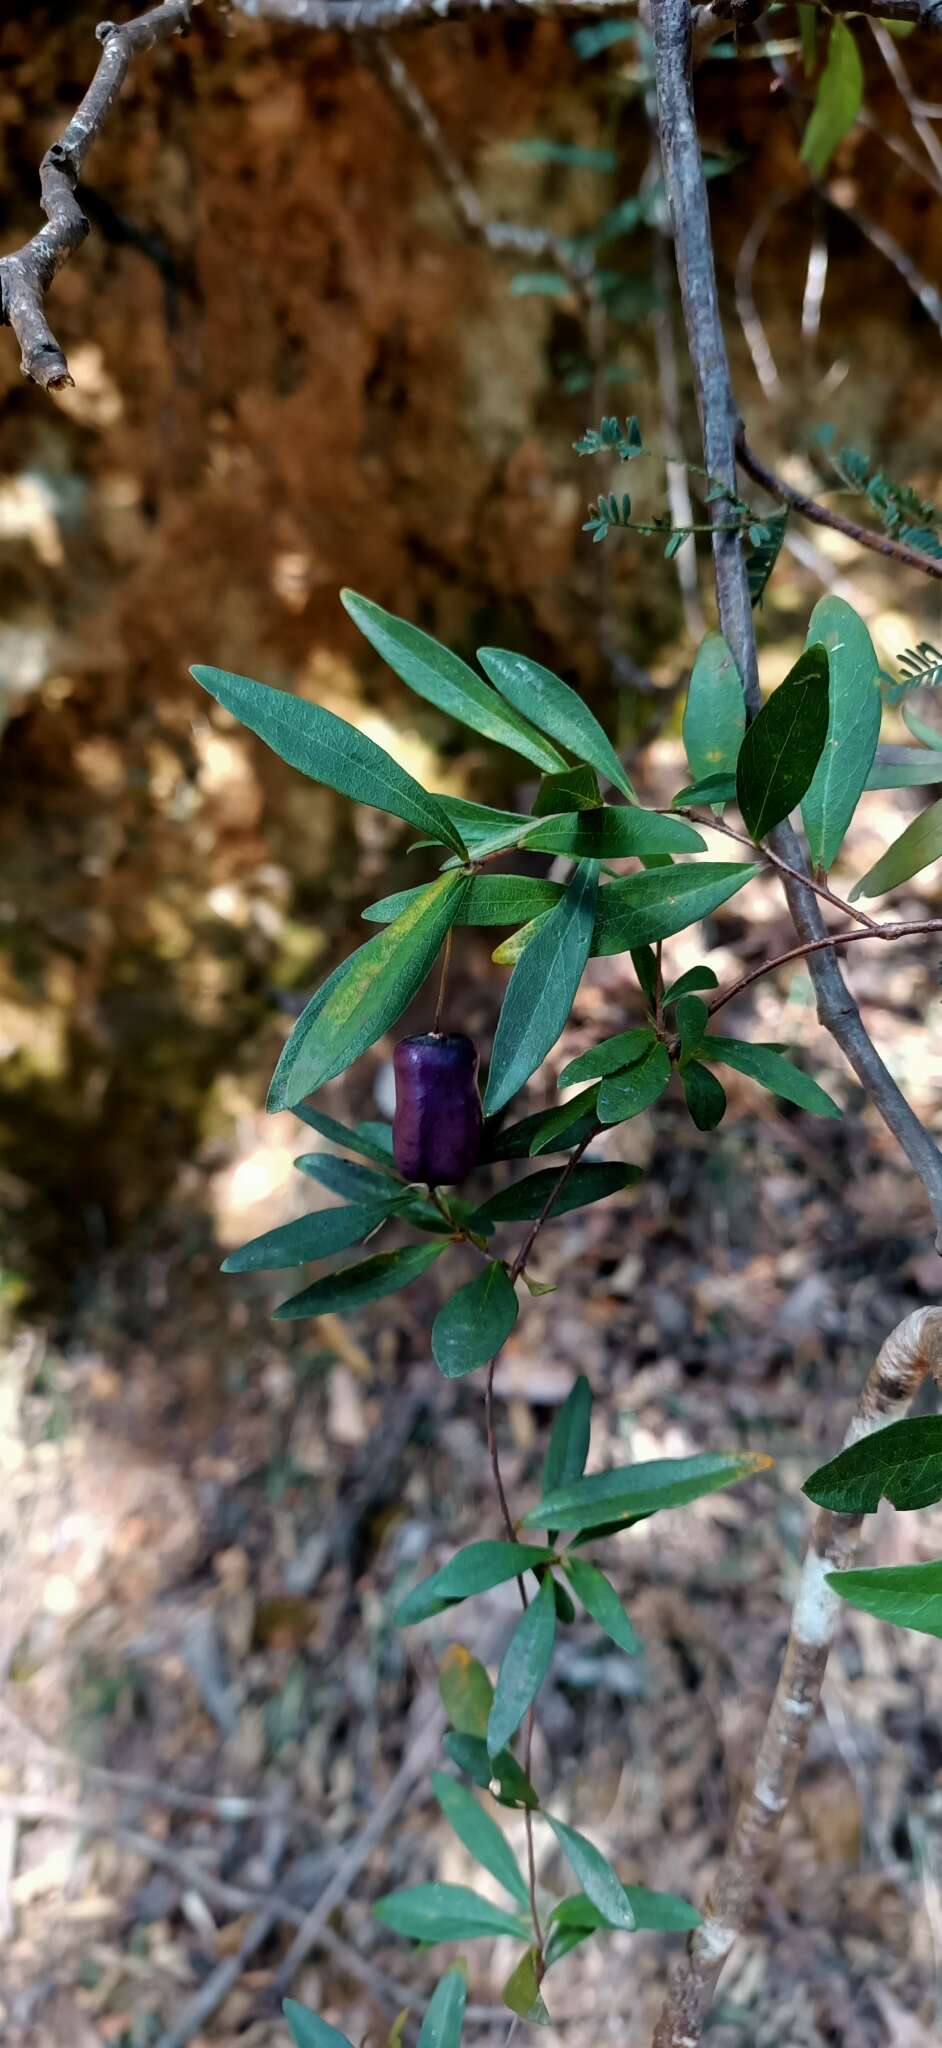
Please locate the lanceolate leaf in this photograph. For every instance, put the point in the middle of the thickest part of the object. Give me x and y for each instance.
(691, 1017)
(436, 674)
(610, 1056)
(908, 1594)
(500, 1774)
(644, 908)
(466, 1691)
(573, 789)
(594, 1872)
(521, 1993)
(475, 1569)
(838, 100)
(695, 978)
(763, 1063)
(574, 1919)
(614, 833)
(853, 727)
(555, 708)
(444, 1912)
(625, 1095)
(706, 1096)
(568, 1447)
(642, 1489)
(441, 2027)
(347, 1178)
(550, 1130)
(330, 750)
(526, 1198)
(365, 995)
(309, 1237)
(338, 1293)
(782, 746)
(916, 848)
(523, 1667)
(308, 2031)
(361, 1138)
(473, 1325)
(489, 899)
(600, 1599)
(902, 1463)
(481, 1835)
(715, 712)
(541, 989)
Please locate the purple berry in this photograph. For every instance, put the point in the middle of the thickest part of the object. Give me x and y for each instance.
(437, 1125)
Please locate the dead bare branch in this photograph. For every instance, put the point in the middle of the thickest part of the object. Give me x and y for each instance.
(27, 273)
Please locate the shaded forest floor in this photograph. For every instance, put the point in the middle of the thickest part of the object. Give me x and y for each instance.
(209, 1519)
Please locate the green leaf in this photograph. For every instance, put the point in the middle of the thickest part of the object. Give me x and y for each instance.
(915, 849)
(523, 1667)
(556, 709)
(441, 2027)
(695, 978)
(572, 1122)
(661, 1911)
(308, 2031)
(706, 1096)
(837, 102)
(765, 1064)
(573, 789)
(710, 789)
(904, 768)
(362, 1138)
(808, 33)
(625, 1095)
(565, 1608)
(610, 1056)
(644, 908)
(692, 1018)
(599, 1598)
(782, 746)
(616, 832)
(309, 1237)
(502, 1774)
(346, 1177)
(763, 554)
(902, 1462)
(444, 1912)
(473, 1325)
(643, 1489)
(521, 1993)
(475, 1569)
(436, 674)
(568, 1447)
(596, 1876)
(479, 824)
(365, 995)
(481, 1835)
(466, 1691)
(854, 717)
(329, 750)
(715, 711)
(338, 1293)
(910, 1595)
(525, 1200)
(541, 990)
(489, 899)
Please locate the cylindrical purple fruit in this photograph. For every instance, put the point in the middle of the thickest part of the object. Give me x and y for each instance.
(437, 1125)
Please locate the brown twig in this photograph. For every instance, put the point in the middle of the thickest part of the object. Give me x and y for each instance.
(822, 515)
(917, 928)
(910, 1353)
(784, 867)
(27, 273)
